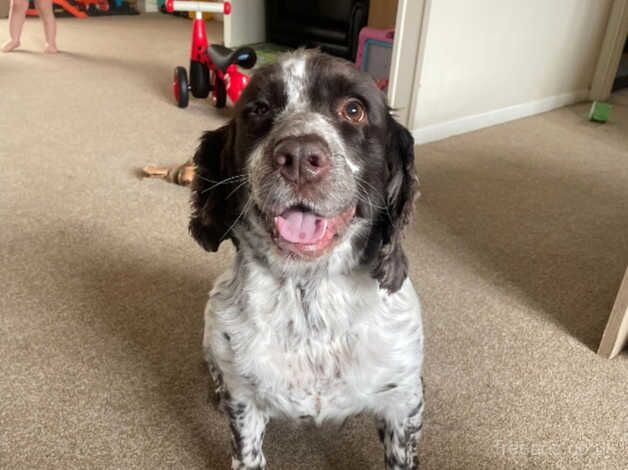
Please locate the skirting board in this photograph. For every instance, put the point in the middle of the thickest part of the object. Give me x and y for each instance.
(440, 131)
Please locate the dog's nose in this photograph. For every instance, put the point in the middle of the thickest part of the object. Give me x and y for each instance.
(302, 159)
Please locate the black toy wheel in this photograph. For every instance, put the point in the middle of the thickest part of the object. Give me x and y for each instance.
(219, 94)
(199, 79)
(180, 87)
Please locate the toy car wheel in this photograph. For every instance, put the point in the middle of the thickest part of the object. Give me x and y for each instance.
(199, 79)
(219, 94)
(180, 87)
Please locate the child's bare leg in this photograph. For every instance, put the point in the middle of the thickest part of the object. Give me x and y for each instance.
(50, 25)
(17, 16)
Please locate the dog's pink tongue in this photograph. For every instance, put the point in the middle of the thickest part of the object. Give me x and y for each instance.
(297, 226)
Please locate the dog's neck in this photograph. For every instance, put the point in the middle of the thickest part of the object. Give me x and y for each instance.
(316, 304)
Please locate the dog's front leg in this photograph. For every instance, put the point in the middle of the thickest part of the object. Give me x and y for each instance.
(247, 425)
(399, 434)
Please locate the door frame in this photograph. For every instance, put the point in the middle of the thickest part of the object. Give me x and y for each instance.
(615, 335)
(611, 52)
(410, 28)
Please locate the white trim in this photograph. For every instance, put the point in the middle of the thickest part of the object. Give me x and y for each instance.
(610, 54)
(401, 84)
(442, 130)
(420, 60)
(616, 332)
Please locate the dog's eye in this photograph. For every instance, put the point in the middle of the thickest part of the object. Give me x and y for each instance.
(259, 108)
(353, 111)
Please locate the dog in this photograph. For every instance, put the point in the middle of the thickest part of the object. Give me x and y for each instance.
(313, 181)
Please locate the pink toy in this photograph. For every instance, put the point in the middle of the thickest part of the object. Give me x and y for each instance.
(375, 52)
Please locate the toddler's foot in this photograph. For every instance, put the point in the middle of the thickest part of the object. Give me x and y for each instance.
(9, 45)
(50, 49)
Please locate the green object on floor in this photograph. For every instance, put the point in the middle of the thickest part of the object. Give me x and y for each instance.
(268, 53)
(600, 112)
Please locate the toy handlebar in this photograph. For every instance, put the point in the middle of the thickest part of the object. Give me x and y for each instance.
(211, 7)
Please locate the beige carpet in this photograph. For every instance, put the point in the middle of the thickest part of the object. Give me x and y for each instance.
(520, 243)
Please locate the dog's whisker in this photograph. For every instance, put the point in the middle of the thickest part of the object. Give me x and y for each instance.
(244, 210)
(370, 204)
(362, 194)
(366, 183)
(364, 197)
(225, 181)
(266, 197)
(377, 193)
(236, 188)
(198, 175)
(201, 177)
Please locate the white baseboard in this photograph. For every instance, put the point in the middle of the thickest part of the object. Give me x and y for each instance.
(465, 124)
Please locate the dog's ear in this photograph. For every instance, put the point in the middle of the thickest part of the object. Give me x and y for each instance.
(212, 213)
(391, 266)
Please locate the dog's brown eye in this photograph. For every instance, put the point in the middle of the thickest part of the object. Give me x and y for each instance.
(353, 110)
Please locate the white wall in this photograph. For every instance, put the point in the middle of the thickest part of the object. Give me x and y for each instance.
(147, 6)
(487, 61)
(246, 23)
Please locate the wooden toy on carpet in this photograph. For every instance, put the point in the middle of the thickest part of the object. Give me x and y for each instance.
(177, 174)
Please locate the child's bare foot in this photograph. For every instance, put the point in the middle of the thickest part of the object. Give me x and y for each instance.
(9, 45)
(50, 49)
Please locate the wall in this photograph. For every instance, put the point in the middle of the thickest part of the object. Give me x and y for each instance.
(488, 61)
(146, 6)
(246, 24)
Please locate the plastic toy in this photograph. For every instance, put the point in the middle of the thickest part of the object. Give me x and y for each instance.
(375, 52)
(213, 69)
(84, 8)
(89, 5)
(71, 9)
(600, 112)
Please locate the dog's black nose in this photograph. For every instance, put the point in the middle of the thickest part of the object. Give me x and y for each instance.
(302, 159)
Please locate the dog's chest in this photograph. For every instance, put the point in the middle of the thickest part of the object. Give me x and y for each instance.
(315, 350)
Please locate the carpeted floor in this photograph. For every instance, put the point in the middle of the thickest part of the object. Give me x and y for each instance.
(520, 243)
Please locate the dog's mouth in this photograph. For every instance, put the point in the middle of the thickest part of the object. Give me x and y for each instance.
(302, 232)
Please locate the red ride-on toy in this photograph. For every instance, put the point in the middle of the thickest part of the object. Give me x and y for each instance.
(213, 69)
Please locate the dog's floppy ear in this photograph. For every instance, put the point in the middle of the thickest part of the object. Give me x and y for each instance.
(391, 266)
(212, 213)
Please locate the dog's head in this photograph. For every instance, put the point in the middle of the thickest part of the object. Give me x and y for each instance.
(311, 169)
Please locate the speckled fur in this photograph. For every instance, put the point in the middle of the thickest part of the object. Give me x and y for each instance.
(317, 340)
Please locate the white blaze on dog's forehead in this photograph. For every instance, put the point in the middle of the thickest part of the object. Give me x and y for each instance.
(294, 78)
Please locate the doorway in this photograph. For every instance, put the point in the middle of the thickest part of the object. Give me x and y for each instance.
(621, 78)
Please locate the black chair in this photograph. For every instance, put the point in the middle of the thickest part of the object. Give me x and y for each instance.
(331, 25)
